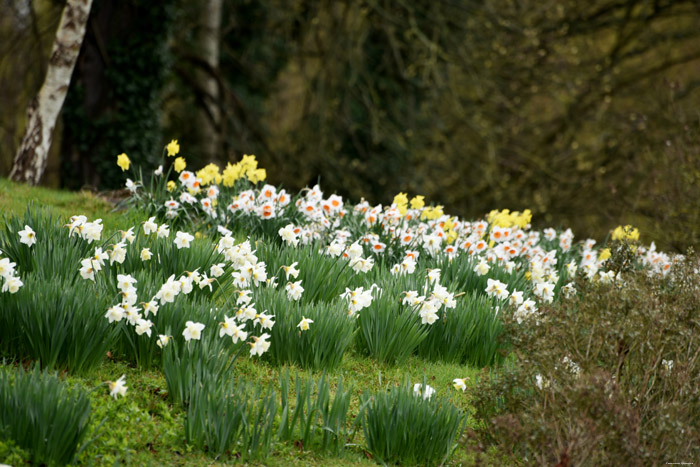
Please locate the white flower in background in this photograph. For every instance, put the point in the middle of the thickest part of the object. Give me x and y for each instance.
(224, 231)
(125, 282)
(12, 284)
(362, 265)
(260, 345)
(183, 239)
(159, 171)
(434, 275)
(572, 366)
(92, 231)
(115, 313)
(294, 290)
(516, 298)
(118, 253)
(163, 340)
(7, 268)
(304, 323)
(545, 291)
(607, 277)
(244, 297)
(118, 388)
(265, 321)
(193, 331)
(482, 268)
(357, 299)
(425, 391)
(87, 272)
(571, 268)
(460, 384)
(291, 270)
(146, 254)
(131, 186)
(524, 311)
(143, 326)
(541, 382)
(132, 313)
(335, 248)
(163, 231)
(150, 307)
(442, 296)
(411, 298)
(27, 236)
(428, 312)
(227, 327)
(150, 226)
(496, 288)
(98, 259)
(354, 251)
(288, 235)
(667, 364)
(217, 270)
(569, 290)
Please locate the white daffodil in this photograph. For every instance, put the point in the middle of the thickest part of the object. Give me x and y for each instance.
(427, 391)
(27, 236)
(260, 345)
(193, 331)
(183, 239)
(460, 384)
(118, 388)
(304, 323)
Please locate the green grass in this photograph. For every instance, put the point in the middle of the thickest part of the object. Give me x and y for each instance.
(146, 428)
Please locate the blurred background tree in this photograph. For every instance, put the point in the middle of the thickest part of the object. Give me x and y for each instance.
(584, 112)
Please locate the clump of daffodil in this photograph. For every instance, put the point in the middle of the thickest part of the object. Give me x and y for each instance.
(507, 219)
(123, 161)
(173, 148)
(432, 212)
(179, 164)
(232, 173)
(604, 254)
(257, 175)
(626, 233)
(417, 202)
(209, 174)
(401, 202)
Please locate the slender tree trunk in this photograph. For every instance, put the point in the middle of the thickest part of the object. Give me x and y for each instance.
(43, 110)
(209, 115)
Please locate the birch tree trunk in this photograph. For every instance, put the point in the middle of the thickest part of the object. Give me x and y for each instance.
(209, 115)
(43, 110)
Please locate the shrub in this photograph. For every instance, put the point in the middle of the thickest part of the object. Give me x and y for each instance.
(404, 427)
(321, 346)
(56, 322)
(611, 375)
(223, 416)
(315, 421)
(41, 415)
(390, 331)
(469, 333)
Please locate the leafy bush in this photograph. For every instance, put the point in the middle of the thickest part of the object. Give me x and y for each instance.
(405, 427)
(390, 331)
(321, 346)
(40, 414)
(469, 333)
(58, 323)
(315, 421)
(223, 416)
(611, 375)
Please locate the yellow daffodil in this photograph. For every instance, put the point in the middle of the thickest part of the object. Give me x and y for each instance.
(179, 164)
(626, 233)
(257, 175)
(173, 148)
(604, 254)
(171, 185)
(123, 161)
(417, 202)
